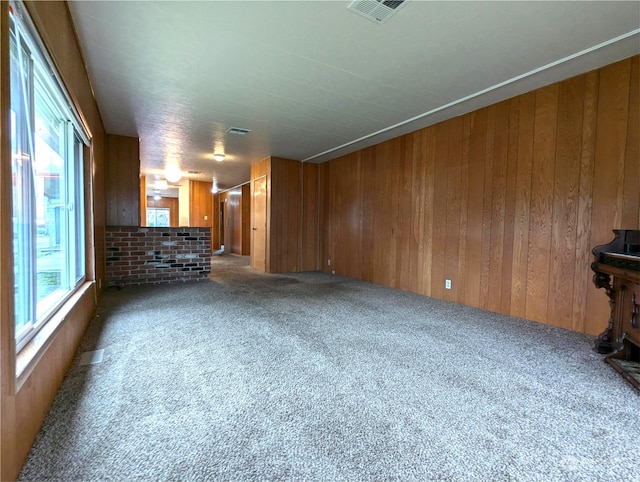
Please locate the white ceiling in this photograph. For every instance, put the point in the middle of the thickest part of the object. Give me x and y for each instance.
(313, 80)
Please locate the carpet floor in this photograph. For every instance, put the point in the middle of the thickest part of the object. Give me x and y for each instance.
(249, 376)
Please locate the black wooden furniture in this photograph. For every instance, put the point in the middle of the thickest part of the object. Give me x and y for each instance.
(617, 270)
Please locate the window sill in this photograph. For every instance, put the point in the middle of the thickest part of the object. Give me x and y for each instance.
(32, 352)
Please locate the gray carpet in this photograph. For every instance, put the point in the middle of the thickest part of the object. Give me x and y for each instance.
(316, 377)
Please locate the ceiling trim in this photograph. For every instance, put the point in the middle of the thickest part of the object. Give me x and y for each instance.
(325, 155)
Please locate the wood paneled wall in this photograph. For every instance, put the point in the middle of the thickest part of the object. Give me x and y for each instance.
(122, 158)
(237, 221)
(200, 204)
(227, 221)
(286, 216)
(235, 217)
(246, 219)
(310, 220)
(506, 201)
(215, 230)
(284, 212)
(170, 203)
(24, 406)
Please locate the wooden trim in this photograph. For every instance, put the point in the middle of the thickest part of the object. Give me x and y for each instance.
(7, 327)
(99, 210)
(143, 200)
(90, 235)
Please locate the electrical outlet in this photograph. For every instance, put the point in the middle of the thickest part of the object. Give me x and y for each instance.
(447, 284)
(328, 262)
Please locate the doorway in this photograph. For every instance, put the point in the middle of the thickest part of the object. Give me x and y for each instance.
(221, 224)
(259, 224)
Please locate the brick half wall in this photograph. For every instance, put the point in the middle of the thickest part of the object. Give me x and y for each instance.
(137, 256)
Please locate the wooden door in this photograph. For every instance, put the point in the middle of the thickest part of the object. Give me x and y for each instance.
(221, 221)
(259, 225)
(227, 235)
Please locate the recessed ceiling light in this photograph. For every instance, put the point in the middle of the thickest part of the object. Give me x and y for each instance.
(218, 157)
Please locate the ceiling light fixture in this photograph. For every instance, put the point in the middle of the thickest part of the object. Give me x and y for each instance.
(160, 184)
(218, 157)
(173, 173)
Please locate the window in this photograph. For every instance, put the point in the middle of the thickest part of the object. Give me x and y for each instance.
(158, 217)
(47, 186)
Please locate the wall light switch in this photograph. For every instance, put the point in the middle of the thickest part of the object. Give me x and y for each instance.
(447, 284)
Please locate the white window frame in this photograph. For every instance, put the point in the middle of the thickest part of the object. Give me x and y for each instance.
(75, 137)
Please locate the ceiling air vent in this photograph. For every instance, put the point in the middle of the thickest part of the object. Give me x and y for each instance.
(240, 131)
(378, 11)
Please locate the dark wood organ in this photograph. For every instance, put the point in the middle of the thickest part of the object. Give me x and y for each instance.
(617, 271)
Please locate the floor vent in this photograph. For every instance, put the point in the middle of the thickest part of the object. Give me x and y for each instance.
(91, 357)
(239, 131)
(378, 11)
